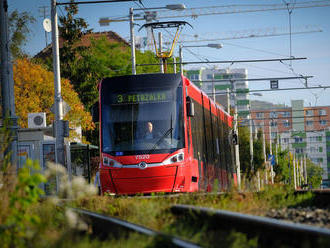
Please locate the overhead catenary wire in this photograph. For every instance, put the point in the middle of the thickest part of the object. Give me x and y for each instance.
(234, 9)
(237, 92)
(230, 61)
(92, 2)
(252, 79)
(292, 143)
(189, 50)
(254, 49)
(286, 118)
(276, 127)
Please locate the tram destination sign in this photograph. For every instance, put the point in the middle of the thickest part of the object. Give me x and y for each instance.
(142, 97)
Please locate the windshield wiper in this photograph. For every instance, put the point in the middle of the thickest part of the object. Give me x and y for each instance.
(160, 139)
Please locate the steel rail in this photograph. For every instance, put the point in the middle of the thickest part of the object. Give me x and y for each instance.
(321, 197)
(254, 225)
(104, 225)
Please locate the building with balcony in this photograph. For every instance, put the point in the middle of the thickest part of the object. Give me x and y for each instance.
(302, 130)
(232, 79)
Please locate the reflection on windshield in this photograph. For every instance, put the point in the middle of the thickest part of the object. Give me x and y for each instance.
(138, 123)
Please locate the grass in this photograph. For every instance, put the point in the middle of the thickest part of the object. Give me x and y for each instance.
(154, 212)
(28, 220)
(135, 209)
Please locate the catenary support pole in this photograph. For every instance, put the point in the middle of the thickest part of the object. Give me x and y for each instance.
(276, 149)
(237, 161)
(305, 168)
(271, 152)
(7, 84)
(236, 147)
(301, 171)
(180, 57)
(131, 26)
(161, 61)
(213, 88)
(58, 101)
(251, 143)
(228, 100)
(298, 171)
(264, 151)
(294, 171)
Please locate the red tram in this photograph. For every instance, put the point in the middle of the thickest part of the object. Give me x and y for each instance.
(190, 146)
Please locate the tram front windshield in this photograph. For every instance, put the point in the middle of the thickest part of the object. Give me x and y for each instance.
(142, 121)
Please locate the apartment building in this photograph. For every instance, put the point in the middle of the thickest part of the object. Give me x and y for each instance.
(217, 81)
(303, 130)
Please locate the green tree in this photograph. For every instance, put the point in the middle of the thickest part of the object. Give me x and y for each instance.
(282, 167)
(19, 28)
(314, 174)
(244, 150)
(258, 155)
(72, 29)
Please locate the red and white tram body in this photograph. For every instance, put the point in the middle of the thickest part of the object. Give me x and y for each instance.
(190, 149)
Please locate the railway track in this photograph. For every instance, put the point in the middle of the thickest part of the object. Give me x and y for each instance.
(217, 225)
(105, 227)
(321, 197)
(270, 232)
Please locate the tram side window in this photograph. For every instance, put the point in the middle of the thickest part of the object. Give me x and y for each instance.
(213, 139)
(208, 128)
(194, 130)
(200, 132)
(216, 147)
(222, 145)
(197, 130)
(226, 143)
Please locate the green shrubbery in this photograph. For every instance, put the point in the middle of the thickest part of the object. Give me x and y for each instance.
(19, 221)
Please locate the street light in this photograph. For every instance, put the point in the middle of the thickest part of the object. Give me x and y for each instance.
(168, 6)
(211, 45)
(217, 46)
(256, 94)
(175, 7)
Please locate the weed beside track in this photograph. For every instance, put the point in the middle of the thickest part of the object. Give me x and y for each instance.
(154, 212)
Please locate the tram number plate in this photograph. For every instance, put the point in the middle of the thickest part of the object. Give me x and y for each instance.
(142, 156)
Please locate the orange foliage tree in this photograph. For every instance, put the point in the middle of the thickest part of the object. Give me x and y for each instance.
(34, 92)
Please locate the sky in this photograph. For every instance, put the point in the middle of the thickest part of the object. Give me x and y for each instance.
(315, 46)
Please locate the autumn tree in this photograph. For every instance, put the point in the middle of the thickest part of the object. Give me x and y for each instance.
(34, 92)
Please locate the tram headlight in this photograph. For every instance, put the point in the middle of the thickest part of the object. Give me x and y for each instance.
(110, 162)
(175, 158)
(106, 161)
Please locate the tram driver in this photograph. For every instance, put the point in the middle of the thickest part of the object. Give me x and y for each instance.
(149, 133)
